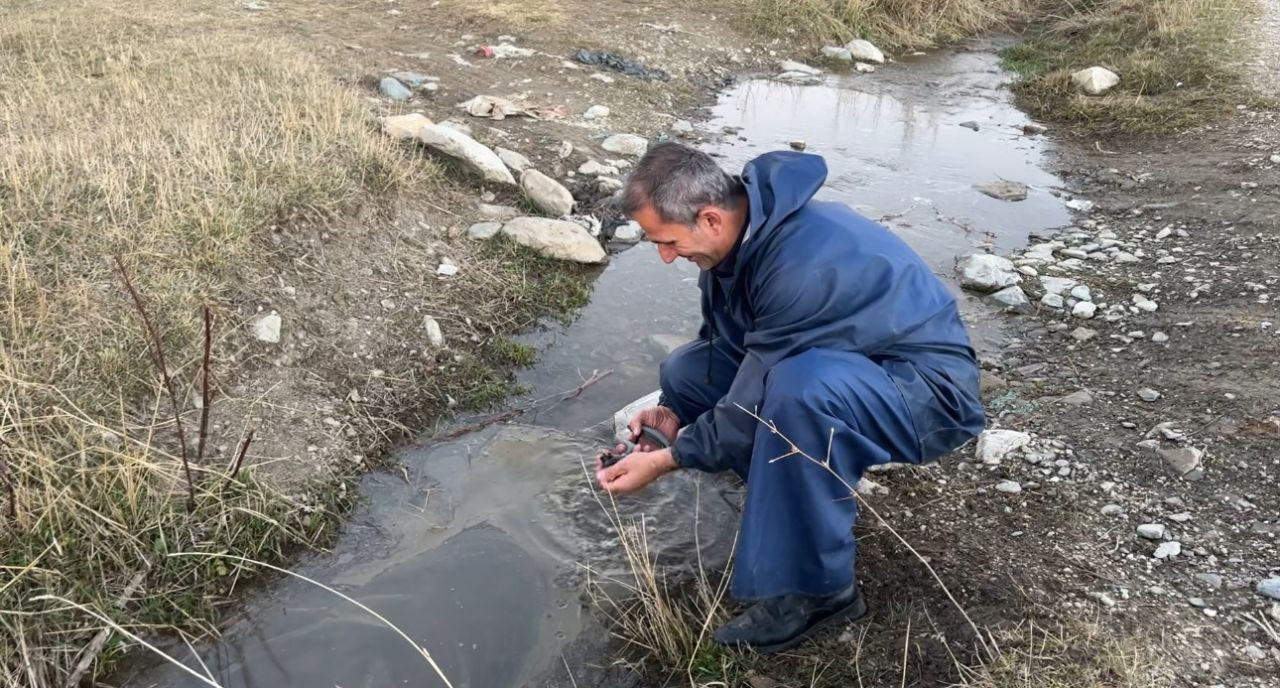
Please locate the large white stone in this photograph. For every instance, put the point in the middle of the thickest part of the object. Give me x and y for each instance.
(546, 194)
(624, 415)
(478, 156)
(626, 144)
(403, 127)
(994, 445)
(556, 239)
(865, 51)
(1095, 80)
(1012, 297)
(986, 272)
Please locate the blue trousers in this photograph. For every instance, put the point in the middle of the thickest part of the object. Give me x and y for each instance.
(796, 534)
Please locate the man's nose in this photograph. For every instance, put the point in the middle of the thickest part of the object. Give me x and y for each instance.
(667, 253)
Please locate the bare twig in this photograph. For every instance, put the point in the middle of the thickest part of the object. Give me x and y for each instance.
(478, 425)
(420, 649)
(157, 358)
(205, 395)
(234, 469)
(6, 476)
(826, 464)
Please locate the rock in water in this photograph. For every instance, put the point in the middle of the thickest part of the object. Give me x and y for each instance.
(1004, 191)
(401, 127)
(456, 144)
(556, 239)
(994, 445)
(986, 273)
(835, 52)
(1095, 80)
(512, 159)
(267, 328)
(865, 51)
(626, 413)
(626, 144)
(793, 66)
(1012, 297)
(393, 89)
(547, 194)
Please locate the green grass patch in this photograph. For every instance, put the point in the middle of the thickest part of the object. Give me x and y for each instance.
(1178, 61)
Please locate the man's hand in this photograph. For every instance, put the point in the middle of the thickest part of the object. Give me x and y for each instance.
(635, 470)
(659, 418)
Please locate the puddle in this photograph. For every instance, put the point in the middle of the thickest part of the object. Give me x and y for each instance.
(475, 550)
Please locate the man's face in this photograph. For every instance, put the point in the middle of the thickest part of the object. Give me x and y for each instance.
(702, 246)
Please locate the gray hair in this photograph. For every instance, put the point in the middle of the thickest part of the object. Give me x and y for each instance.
(679, 181)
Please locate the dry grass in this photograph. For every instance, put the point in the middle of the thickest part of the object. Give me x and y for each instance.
(1082, 656)
(1178, 62)
(892, 24)
(160, 134)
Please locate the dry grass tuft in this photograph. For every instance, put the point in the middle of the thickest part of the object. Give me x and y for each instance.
(892, 24)
(1178, 62)
(160, 134)
(1082, 656)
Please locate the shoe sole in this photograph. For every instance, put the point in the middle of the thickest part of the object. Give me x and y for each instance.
(853, 611)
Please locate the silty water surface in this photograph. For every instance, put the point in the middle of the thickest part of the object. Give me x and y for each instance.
(476, 550)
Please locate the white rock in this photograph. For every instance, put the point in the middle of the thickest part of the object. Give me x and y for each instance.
(1125, 257)
(484, 230)
(446, 269)
(1095, 80)
(868, 487)
(1112, 510)
(994, 445)
(608, 185)
(434, 335)
(267, 328)
(864, 67)
(497, 212)
(517, 162)
(835, 52)
(546, 194)
(460, 127)
(458, 145)
(986, 272)
(402, 127)
(556, 239)
(592, 168)
(793, 66)
(1084, 310)
(1081, 292)
(865, 51)
(682, 126)
(1148, 394)
(1012, 297)
(629, 233)
(1151, 531)
(1168, 549)
(1269, 588)
(624, 415)
(626, 144)
(1083, 334)
(596, 112)
(1008, 487)
(1053, 300)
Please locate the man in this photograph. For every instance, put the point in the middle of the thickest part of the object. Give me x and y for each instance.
(819, 321)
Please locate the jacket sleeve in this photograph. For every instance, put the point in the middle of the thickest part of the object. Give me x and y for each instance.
(795, 305)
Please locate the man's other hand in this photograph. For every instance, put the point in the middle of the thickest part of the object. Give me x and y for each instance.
(659, 418)
(635, 470)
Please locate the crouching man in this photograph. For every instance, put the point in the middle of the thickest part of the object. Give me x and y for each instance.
(824, 324)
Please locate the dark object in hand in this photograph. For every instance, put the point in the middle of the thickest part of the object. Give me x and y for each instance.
(612, 456)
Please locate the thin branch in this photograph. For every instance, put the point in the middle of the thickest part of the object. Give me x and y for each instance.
(205, 390)
(991, 652)
(157, 358)
(234, 469)
(6, 476)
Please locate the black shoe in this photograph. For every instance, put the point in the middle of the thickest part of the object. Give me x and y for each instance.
(781, 623)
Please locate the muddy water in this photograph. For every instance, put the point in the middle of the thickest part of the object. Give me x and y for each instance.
(477, 549)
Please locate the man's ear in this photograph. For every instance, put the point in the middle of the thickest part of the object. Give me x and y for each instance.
(712, 219)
